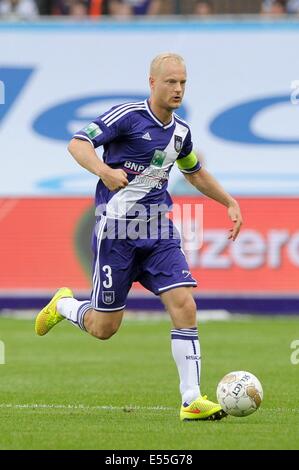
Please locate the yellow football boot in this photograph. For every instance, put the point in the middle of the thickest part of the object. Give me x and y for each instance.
(203, 409)
(48, 316)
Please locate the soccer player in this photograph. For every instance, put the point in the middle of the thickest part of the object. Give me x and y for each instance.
(142, 141)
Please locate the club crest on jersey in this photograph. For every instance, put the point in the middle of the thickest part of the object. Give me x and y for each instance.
(158, 158)
(178, 143)
(108, 297)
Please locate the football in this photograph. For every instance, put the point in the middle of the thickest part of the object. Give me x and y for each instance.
(239, 393)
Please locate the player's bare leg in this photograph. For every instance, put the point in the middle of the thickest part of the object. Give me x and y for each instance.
(62, 306)
(102, 325)
(181, 306)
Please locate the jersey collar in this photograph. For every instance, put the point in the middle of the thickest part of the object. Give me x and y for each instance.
(161, 124)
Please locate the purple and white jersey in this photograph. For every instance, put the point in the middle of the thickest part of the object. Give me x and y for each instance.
(135, 140)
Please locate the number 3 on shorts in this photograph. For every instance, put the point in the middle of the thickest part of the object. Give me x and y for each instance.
(108, 271)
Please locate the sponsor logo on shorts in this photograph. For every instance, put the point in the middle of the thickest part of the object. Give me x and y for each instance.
(108, 297)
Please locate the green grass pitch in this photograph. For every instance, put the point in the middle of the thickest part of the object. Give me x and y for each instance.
(70, 391)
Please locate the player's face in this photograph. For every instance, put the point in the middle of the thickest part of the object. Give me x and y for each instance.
(168, 85)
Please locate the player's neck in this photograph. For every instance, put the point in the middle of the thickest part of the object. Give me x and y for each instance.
(164, 115)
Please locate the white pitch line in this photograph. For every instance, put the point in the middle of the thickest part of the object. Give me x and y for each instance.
(126, 408)
(83, 407)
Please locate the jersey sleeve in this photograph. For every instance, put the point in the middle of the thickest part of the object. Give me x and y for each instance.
(103, 129)
(187, 160)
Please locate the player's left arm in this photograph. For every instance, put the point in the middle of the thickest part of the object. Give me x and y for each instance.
(210, 187)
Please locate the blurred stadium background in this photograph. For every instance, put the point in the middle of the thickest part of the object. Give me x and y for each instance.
(58, 72)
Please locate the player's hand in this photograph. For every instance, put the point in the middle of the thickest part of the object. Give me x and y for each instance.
(114, 179)
(235, 215)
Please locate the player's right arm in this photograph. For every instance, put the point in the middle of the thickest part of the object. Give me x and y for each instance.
(100, 132)
(84, 154)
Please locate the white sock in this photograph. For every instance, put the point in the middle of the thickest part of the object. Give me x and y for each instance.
(73, 310)
(186, 353)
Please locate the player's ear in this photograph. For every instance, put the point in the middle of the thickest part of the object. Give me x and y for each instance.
(151, 82)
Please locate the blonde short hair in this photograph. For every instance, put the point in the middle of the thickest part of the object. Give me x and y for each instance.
(159, 59)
